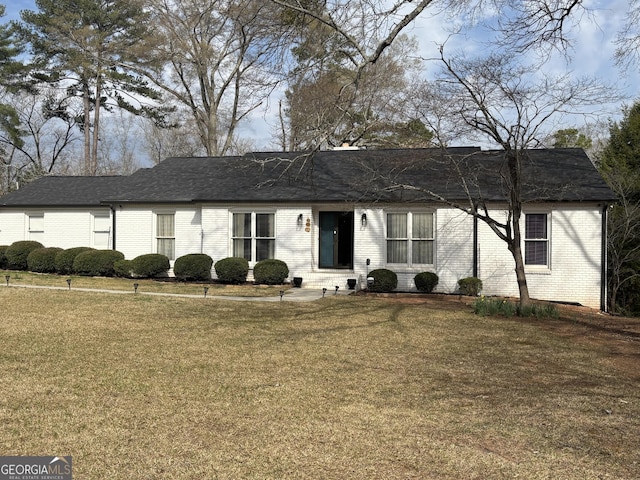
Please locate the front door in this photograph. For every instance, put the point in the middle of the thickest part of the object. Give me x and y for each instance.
(336, 239)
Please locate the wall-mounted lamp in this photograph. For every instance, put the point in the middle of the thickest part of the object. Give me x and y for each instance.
(300, 220)
(363, 220)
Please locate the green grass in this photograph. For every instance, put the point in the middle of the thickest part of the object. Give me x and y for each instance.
(341, 388)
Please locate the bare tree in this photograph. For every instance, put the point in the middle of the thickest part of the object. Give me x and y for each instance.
(49, 133)
(219, 59)
(515, 108)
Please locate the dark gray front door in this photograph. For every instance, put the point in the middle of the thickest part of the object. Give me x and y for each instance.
(336, 239)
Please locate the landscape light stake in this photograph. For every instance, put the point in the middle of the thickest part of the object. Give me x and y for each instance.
(69, 283)
(135, 288)
(7, 278)
(336, 292)
(281, 294)
(206, 289)
(324, 291)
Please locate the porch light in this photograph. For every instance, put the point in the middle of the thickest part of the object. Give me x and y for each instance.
(7, 278)
(135, 288)
(300, 220)
(363, 220)
(69, 283)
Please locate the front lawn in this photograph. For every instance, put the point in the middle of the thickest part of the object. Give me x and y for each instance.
(341, 388)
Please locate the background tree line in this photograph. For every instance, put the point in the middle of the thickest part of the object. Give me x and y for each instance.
(87, 85)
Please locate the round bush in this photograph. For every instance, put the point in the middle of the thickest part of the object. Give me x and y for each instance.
(64, 259)
(43, 260)
(3, 259)
(471, 286)
(96, 263)
(194, 266)
(232, 270)
(426, 281)
(383, 280)
(270, 272)
(150, 265)
(123, 268)
(17, 253)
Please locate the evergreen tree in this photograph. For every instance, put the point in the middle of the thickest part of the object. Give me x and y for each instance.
(620, 165)
(89, 48)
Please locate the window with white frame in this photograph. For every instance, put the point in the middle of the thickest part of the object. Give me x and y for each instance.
(253, 235)
(36, 227)
(410, 238)
(166, 235)
(101, 230)
(536, 239)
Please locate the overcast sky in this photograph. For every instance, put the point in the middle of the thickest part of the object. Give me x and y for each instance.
(592, 55)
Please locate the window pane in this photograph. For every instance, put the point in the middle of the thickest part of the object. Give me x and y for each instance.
(265, 249)
(241, 225)
(165, 225)
(36, 223)
(242, 248)
(397, 251)
(396, 225)
(166, 247)
(422, 225)
(265, 225)
(535, 253)
(422, 251)
(536, 226)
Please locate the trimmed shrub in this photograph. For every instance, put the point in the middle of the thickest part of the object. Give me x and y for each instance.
(470, 286)
(270, 272)
(64, 259)
(123, 268)
(3, 259)
(96, 263)
(194, 266)
(426, 281)
(43, 260)
(232, 270)
(150, 265)
(17, 253)
(384, 280)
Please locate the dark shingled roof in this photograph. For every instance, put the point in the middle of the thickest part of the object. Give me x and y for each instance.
(340, 176)
(63, 191)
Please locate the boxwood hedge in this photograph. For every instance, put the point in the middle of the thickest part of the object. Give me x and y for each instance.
(17, 253)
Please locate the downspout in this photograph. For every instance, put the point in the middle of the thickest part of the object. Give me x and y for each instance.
(113, 227)
(604, 260)
(475, 242)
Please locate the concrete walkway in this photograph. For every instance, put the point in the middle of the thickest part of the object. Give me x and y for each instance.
(290, 295)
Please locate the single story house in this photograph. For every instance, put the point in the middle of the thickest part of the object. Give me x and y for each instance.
(338, 214)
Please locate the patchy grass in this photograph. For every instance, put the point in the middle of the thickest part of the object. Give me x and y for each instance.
(169, 286)
(345, 387)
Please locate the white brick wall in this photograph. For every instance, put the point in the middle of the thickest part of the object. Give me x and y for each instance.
(575, 244)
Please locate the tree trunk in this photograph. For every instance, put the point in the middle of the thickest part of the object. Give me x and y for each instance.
(87, 130)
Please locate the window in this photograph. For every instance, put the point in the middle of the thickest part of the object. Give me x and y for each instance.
(253, 235)
(410, 238)
(101, 230)
(36, 227)
(536, 239)
(165, 234)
